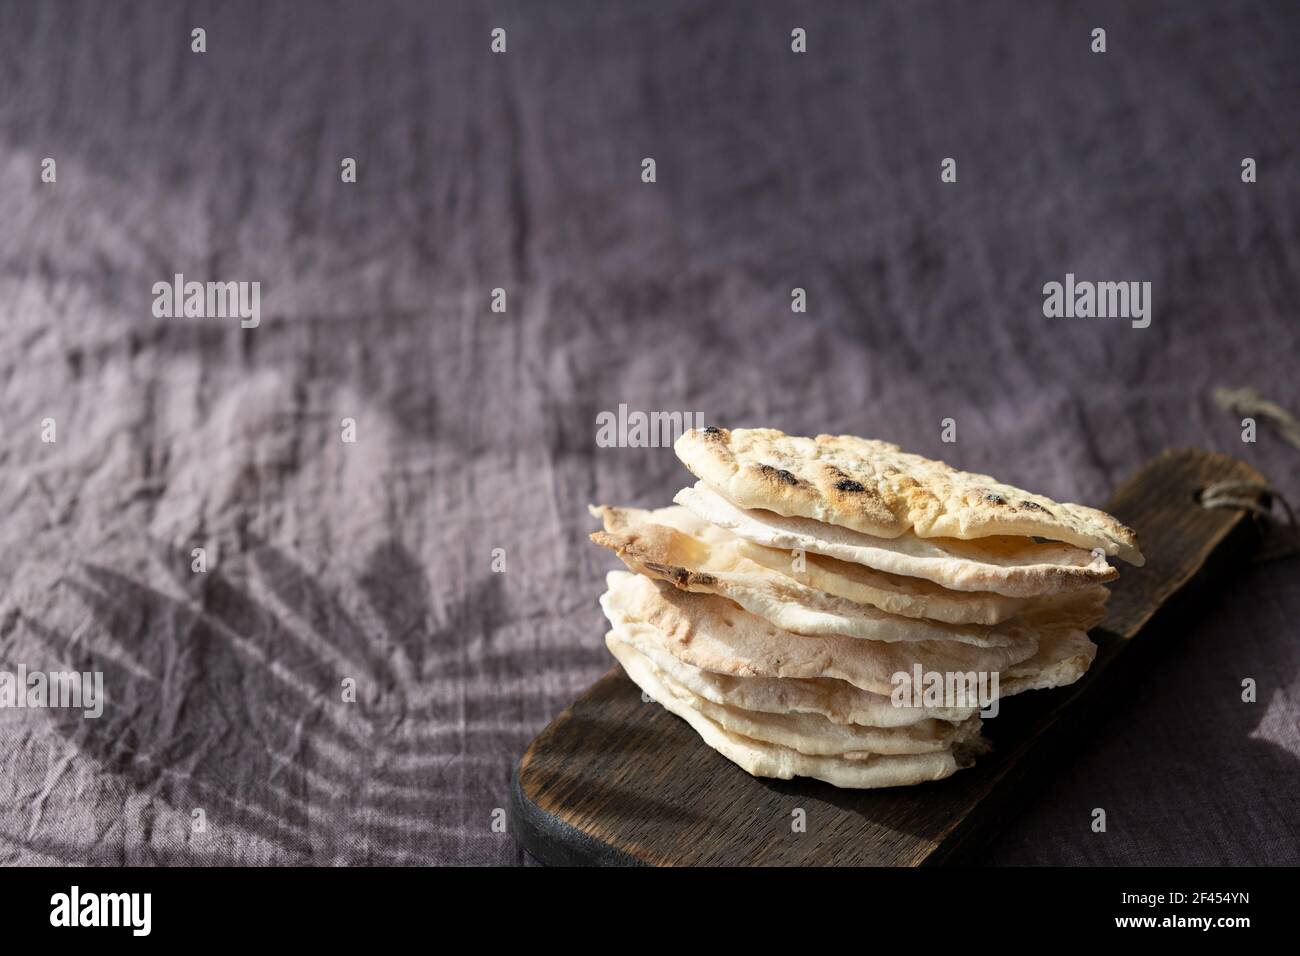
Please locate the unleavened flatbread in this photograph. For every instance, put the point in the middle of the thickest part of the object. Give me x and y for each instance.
(715, 634)
(1063, 656)
(692, 564)
(895, 593)
(1014, 567)
(878, 489)
(809, 733)
(836, 700)
(693, 555)
(762, 759)
(916, 597)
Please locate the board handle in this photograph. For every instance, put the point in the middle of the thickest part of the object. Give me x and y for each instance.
(1182, 538)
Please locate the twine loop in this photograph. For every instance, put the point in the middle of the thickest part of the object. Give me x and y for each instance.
(1258, 499)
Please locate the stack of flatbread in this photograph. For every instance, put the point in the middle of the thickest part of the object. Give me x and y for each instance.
(834, 607)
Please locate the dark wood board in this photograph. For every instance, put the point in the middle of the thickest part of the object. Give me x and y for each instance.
(616, 780)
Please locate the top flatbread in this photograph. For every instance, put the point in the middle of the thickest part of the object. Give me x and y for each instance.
(878, 489)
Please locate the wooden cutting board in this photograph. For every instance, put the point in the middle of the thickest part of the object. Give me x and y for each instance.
(618, 780)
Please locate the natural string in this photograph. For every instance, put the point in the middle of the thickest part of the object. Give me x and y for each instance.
(1250, 404)
(1257, 499)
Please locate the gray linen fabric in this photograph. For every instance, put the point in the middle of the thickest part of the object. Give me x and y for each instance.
(372, 561)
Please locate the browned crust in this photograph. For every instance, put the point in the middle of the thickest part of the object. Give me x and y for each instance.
(875, 487)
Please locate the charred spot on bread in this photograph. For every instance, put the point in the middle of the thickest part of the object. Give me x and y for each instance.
(848, 484)
(779, 474)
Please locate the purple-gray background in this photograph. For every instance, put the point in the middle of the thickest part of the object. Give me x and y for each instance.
(476, 430)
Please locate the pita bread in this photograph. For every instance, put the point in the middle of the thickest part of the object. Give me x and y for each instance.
(876, 488)
(762, 759)
(692, 564)
(835, 700)
(714, 634)
(809, 733)
(1014, 567)
(916, 597)
(897, 594)
(1063, 656)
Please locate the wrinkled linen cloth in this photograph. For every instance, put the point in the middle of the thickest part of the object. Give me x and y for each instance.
(365, 569)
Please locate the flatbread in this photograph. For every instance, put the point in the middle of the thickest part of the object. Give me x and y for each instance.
(691, 564)
(876, 488)
(895, 593)
(1063, 656)
(1014, 567)
(811, 735)
(916, 597)
(835, 700)
(717, 635)
(701, 557)
(762, 759)
(808, 733)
